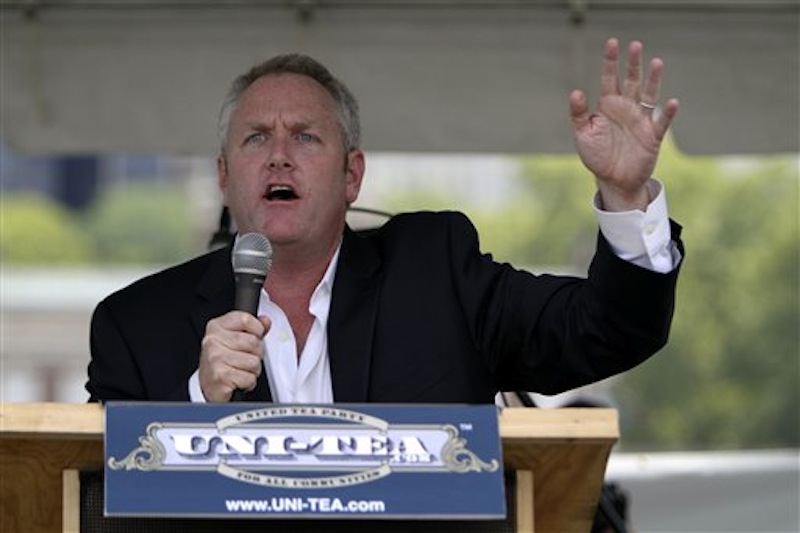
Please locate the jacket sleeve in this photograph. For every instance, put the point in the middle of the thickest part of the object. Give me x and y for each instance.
(114, 373)
(550, 333)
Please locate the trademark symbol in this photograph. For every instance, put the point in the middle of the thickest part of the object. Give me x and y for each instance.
(465, 427)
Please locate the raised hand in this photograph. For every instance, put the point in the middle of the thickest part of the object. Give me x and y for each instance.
(620, 139)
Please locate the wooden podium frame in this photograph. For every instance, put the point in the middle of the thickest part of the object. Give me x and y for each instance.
(559, 456)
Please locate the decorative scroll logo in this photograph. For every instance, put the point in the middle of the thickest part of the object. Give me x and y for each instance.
(252, 447)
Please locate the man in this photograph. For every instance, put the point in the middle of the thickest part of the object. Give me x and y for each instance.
(412, 312)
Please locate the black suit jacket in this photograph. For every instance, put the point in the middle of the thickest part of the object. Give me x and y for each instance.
(417, 314)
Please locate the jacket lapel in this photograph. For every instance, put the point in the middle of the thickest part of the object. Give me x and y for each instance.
(215, 294)
(351, 321)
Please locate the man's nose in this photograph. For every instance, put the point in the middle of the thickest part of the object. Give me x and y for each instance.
(279, 157)
(279, 162)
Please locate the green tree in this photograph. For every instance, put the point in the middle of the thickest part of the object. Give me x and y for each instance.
(729, 376)
(141, 224)
(35, 230)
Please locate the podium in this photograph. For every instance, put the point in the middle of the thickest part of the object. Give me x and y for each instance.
(558, 457)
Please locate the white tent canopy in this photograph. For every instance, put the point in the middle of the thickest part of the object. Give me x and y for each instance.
(148, 76)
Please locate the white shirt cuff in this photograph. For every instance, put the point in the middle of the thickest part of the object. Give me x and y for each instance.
(195, 392)
(641, 237)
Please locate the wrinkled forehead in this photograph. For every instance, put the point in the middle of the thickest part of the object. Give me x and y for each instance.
(288, 94)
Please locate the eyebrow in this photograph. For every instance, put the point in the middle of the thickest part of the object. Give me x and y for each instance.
(294, 127)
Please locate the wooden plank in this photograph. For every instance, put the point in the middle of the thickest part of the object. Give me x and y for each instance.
(71, 490)
(524, 499)
(51, 420)
(588, 425)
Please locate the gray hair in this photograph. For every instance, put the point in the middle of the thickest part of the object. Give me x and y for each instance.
(346, 104)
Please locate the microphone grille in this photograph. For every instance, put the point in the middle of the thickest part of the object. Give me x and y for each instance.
(252, 254)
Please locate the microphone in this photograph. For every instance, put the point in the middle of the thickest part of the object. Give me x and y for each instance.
(252, 261)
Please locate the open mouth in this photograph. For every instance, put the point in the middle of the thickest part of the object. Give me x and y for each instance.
(280, 193)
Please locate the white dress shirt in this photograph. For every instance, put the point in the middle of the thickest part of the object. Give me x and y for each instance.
(643, 238)
(640, 237)
(307, 380)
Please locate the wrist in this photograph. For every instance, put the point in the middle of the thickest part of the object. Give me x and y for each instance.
(616, 199)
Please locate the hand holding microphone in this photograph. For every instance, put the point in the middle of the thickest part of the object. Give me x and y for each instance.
(232, 350)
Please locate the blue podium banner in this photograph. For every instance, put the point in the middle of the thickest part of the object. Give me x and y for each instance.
(243, 460)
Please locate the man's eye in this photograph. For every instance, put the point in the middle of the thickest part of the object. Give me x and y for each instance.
(305, 137)
(255, 138)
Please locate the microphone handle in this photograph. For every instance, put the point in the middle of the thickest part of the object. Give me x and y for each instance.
(238, 395)
(248, 292)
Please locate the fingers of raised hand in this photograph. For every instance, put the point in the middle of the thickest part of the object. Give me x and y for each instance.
(649, 96)
(631, 86)
(644, 93)
(664, 117)
(609, 84)
(579, 109)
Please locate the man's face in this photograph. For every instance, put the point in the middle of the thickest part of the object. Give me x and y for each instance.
(285, 172)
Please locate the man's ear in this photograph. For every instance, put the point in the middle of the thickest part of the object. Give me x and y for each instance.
(222, 174)
(354, 174)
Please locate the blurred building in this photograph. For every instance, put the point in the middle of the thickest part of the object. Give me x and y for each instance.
(44, 320)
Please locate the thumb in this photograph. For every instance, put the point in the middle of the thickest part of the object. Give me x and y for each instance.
(578, 109)
(266, 322)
